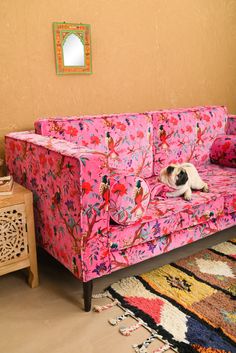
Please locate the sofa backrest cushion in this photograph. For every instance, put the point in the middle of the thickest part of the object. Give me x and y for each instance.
(185, 135)
(125, 138)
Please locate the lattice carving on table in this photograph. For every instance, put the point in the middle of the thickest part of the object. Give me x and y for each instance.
(13, 236)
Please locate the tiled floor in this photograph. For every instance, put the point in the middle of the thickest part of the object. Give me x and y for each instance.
(50, 318)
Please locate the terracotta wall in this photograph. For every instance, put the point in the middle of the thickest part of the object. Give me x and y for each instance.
(147, 54)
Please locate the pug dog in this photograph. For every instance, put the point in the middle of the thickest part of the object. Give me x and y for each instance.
(184, 178)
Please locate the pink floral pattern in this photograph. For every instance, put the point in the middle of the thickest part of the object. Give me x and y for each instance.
(223, 151)
(71, 211)
(126, 138)
(222, 181)
(126, 257)
(166, 215)
(129, 199)
(71, 181)
(154, 225)
(186, 135)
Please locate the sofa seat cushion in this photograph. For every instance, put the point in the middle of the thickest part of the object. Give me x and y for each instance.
(222, 182)
(166, 215)
(223, 151)
(140, 252)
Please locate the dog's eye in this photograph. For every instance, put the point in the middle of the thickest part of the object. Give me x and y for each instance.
(170, 169)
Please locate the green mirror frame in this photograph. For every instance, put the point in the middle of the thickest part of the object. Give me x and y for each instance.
(61, 31)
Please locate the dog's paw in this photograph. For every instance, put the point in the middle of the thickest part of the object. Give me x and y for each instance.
(205, 188)
(169, 194)
(188, 195)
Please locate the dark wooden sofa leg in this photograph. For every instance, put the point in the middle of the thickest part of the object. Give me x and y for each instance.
(88, 290)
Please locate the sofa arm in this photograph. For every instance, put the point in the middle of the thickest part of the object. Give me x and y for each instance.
(231, 125)
(71, 196)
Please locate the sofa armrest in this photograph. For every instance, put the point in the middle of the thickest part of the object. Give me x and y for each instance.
(231, 125)
(71, 196)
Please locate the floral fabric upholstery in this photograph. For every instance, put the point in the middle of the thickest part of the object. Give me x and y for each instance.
(186, 135)
(71, 212)
(71, 182)
(122, 258)
(231, 125)
(125, 138)
(129, 199)
(223, 151)
(166, 215)
(153, 225)
(222, 182)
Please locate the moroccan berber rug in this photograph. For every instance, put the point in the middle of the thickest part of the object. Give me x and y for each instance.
(189, 305)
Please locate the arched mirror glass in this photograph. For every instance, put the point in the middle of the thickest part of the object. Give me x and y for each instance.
(73, 51)
(72, 48)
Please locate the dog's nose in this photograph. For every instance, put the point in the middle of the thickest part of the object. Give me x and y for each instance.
(170, 169)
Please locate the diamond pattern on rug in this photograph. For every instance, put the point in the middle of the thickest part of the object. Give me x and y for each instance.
(218, 268)
(189, 290)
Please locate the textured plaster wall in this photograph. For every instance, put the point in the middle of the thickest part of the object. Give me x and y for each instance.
(147, 54)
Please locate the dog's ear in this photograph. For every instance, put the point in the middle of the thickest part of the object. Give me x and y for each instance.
(182, 178)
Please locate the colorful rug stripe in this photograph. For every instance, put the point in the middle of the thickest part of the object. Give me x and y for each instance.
(202, 280)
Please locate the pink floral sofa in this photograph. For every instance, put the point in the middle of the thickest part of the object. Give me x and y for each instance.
(99, 205)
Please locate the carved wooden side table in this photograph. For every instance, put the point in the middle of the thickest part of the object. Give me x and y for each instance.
(17, 236)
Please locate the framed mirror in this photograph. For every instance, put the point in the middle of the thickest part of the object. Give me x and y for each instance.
(72, 43)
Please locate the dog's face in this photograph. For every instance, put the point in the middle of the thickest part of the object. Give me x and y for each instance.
(174, 175)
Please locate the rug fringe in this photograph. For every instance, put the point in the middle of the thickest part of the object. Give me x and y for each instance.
(142, 348)
(119, 318)
(101, 295)
(126, 331)
(100, 308)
